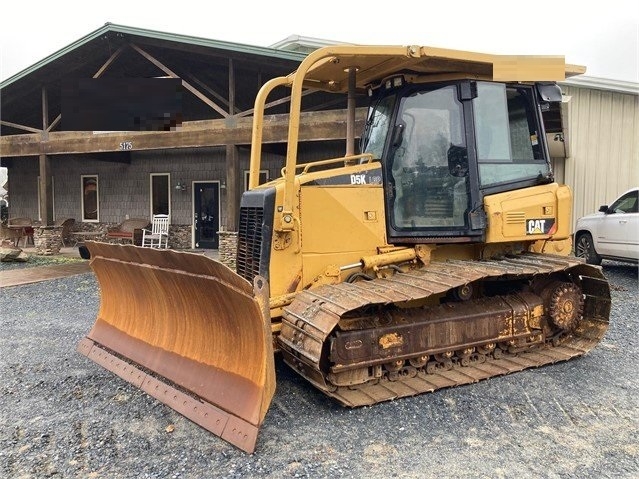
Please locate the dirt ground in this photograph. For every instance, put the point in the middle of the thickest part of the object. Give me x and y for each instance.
(61, 415)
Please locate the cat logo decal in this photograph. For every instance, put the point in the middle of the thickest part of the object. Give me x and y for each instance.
(541, 226)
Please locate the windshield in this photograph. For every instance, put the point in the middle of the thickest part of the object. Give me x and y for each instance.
(377, 125)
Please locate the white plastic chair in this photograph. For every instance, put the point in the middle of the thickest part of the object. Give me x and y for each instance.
(158, 236)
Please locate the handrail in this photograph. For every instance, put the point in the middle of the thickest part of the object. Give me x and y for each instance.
(258, 128)
(305, 167)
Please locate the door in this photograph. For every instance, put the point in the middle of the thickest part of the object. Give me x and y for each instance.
(206, 222)
(429, 193)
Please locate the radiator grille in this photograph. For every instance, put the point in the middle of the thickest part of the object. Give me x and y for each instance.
(249, 242)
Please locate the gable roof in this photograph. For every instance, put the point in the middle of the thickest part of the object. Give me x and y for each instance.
(119, 51)
(110, 30)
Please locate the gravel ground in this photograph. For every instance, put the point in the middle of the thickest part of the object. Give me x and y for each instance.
(61, 415)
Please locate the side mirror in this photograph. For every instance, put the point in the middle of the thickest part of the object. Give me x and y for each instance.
(604, 209)
(549, 92)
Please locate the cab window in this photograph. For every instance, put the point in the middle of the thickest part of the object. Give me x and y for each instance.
(507, 136)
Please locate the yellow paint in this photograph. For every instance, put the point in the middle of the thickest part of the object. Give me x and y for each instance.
(508, 213)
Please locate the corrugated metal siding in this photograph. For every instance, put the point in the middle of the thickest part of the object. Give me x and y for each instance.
(604, 146)
(559, 169)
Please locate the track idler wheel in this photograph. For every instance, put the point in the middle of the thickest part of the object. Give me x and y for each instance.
(564, 304)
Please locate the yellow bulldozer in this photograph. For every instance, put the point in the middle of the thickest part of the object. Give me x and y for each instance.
(437, 253)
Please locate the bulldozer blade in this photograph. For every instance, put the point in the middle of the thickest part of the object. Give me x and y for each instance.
(188, 331)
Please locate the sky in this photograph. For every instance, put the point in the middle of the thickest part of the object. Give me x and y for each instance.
(603, 36)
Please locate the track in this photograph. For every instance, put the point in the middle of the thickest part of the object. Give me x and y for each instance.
(310, 321)
(423, 382)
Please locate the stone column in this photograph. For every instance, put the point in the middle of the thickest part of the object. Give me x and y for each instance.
(228, 248)
(47, 239)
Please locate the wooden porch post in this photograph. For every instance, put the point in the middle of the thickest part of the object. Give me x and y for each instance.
(233, 191)
(46, 191)
(45, 186)
(232, 188)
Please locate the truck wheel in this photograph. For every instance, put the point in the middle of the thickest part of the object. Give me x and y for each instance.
(585, 248)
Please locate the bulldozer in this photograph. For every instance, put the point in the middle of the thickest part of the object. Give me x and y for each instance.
(435, 253)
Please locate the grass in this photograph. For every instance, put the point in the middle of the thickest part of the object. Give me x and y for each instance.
(37, 260)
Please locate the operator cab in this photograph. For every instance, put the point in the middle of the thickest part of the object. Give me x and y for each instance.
(444, 146)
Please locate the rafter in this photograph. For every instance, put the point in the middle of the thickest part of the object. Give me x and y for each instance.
(314, 126)
(19, 127)
(185, 84)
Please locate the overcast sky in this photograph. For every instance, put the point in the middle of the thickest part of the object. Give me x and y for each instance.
(603, 35)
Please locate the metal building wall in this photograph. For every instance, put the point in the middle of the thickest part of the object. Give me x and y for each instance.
(604, 146)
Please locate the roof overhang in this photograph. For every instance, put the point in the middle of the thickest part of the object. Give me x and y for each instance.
(606, 84)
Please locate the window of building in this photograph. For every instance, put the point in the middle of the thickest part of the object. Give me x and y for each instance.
(90, 198)
(160, 194)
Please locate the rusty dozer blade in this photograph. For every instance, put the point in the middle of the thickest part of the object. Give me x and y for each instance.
(188, 331)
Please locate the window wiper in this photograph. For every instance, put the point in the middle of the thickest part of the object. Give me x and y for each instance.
(365, 138)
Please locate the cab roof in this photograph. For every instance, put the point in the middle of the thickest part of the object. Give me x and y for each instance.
(328, 68)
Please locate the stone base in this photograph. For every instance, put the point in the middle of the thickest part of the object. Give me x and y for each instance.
(180, 236)
(48, 240)
(228, 248)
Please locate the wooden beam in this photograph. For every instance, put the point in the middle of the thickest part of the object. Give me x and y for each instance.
(108, 63)
(286, 99)
(97, 74)
(231, 88)
(315, 126)
(209, 90)
(55, 122)
(232, 165)
(185, 84)
(19, 127)
(45, 185)
(45, 110)
(46, 191)
(233, 190)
